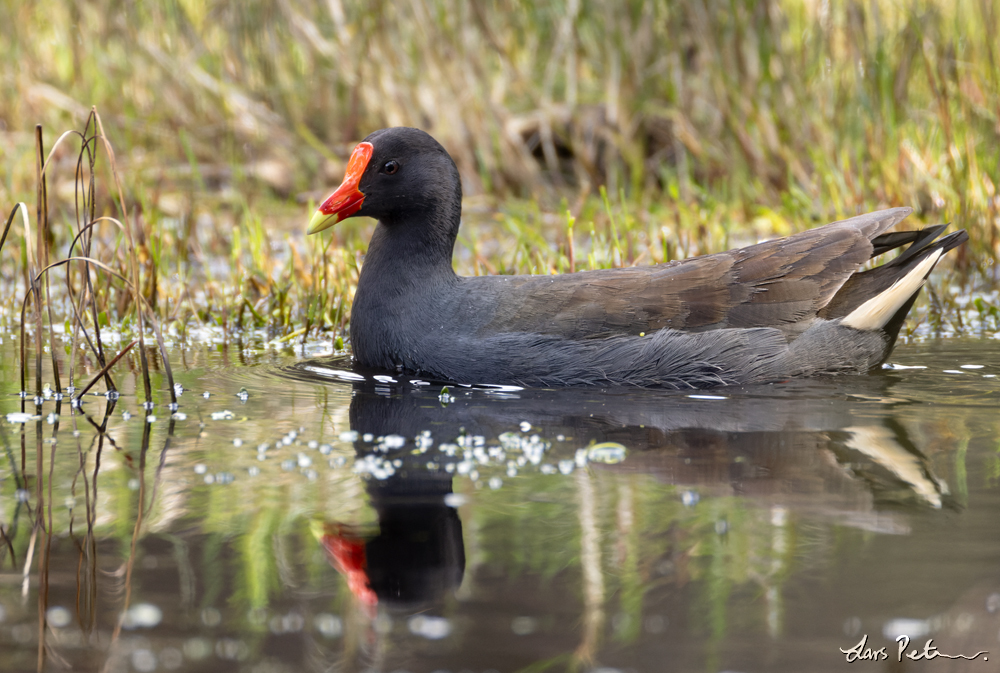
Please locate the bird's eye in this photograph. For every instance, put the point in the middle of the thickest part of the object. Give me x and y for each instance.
(390, 167)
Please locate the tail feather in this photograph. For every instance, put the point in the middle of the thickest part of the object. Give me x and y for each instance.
(864, 286)
(879, 310)
(919, 238)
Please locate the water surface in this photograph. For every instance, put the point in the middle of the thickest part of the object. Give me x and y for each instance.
(295, 515)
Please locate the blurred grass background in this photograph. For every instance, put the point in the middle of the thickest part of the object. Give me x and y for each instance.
(605, 133)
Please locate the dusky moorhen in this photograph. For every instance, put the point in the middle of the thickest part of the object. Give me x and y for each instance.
(790, 307)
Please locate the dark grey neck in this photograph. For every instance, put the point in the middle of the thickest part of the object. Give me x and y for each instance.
(406, 278)
(419, 248)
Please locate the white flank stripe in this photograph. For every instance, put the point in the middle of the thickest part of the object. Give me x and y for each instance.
(878, 310)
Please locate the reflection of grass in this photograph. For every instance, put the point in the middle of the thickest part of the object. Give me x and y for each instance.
(257, 558)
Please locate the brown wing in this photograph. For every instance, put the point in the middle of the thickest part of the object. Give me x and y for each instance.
(782, 283)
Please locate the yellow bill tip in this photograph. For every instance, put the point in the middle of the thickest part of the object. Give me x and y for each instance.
(320, 221)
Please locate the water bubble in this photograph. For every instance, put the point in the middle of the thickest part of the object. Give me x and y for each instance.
(304, 460)
(142, 615)
(224, 415)
(432, 628)
(293, 622)
(58, 616)
(621, 622)
(171, 658)
(455, 500)
(22, 633)
(206, 394)
(914, 628)
(22, 495)
(690, 498)
(523, 626)
(211, 617)
(547, 469)
(150, 419)
(721, 527)
(126, 415)
(253, 470)
(367, 437)
(566, 466)
(495, 483)
(143, 660)
(197, 648)
(525, 426)
(330, 626)
(200, 468)
(18, 417)
(237, 442)
(231, 649)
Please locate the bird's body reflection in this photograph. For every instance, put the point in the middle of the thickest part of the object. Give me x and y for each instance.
(826, 446)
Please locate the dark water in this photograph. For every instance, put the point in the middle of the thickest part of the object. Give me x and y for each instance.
(320, 523)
